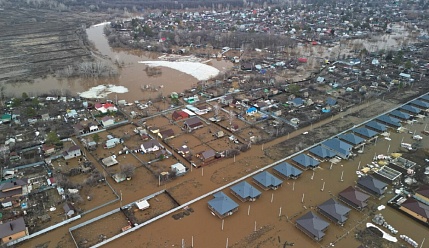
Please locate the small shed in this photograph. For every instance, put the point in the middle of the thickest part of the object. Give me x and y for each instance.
(142, 204)
(178, 168)
(69, 209)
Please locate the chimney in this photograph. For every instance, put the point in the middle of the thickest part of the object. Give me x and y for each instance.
(14, 183)
(11, 227)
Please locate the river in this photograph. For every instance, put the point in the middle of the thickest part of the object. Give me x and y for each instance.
(131, 74)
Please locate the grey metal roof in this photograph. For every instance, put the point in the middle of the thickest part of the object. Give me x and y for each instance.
(335, 210)
(372, 184)
(322, 152)
(399, 114)
(287, 170)
(313, 224)
(267, 179)
(376, 126)
(365, 132)
(305, 160)
(391, 121)
(245, 190)
(411, 109)
(341, 148)
(351, 138)
(9, 228)
(222, 204)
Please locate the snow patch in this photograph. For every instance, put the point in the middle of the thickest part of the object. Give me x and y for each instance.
(386, 236)
(101, 91)
(198, 70)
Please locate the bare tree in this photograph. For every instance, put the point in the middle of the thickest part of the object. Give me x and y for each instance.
(127, 170)
(216, 109)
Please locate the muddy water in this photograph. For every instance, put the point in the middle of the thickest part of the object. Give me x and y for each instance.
(294, 198)
(132, 75)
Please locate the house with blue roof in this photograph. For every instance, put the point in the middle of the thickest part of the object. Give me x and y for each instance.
(267, 181)
(352, 139)
(251, 111)
(244, 191)
(410, 109)
(304, 161)
(376, 126)
(389, 120)
(365, 132)
(399, 114)
(425, 98)
(331, 101)
(222, 206)
(342, 149)
(297, 102)
(321, 153)
(286, 171)
(420, 104)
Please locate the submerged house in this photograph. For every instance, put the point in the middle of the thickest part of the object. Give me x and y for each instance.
(312, 225)
(222, 206)
(267, 181)
(244, 191)
(354, 198)
(334, 211)
(286, 170)
(12, 230)
(371, 185)
(306, 162)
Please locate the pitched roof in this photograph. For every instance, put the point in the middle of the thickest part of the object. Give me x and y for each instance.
(365, 132)
(208, 154)
(411, 109)
(245, 190)
(335, 210)
(305, 160)
(425, 97)
(287, 170)
(150, 144)
(313, 224)
(267, 179)
(420, 104)
(389, 120)
(354, 196)
(376, 126)
(222, 204)
(423, 190)
(9, 228)
(166, 133)
(322, 152)
(179, 114)
(341, 148)
(372, 184)
(194, 122)
(351, 138)
(13, 183)
(399, 114)
(417, 207)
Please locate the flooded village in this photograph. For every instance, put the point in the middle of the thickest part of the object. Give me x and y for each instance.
(259, 126)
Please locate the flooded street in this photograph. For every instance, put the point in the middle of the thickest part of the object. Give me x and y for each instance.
(275, 212)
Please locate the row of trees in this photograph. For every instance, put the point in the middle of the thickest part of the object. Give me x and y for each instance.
(88, 69)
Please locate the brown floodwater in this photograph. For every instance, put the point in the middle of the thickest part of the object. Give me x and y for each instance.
(205, 230)
(131, 74)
